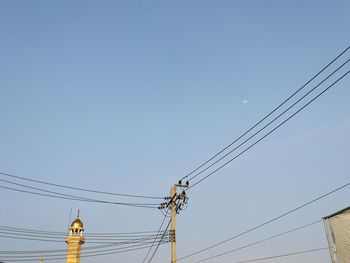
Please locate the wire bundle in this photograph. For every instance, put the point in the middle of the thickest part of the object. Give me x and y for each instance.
(14, 183)
(111, 243)
(319, 84)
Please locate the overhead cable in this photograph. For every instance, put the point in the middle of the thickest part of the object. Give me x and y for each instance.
(159, 243)
(271, 131)
(78, 188)
(159, 230)
(105, 245)
(259, 242)
(85, 255)
(268, 115)
(16, 229)
(77, 198)
(267, 222)
(282, 255)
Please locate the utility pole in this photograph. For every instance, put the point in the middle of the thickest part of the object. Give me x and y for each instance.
(173, 223)
(177, 202)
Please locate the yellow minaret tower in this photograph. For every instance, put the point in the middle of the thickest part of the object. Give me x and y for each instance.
(74, 240)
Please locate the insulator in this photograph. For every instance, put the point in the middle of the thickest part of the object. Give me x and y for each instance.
(187, 183)
(180, 182)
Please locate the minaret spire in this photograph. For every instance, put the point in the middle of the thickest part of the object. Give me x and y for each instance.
(75, 240)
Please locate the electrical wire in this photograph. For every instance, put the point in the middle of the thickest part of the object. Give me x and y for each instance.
(269, 123)
(106, 245)
(259, 242)
(28, 238)
(16, 229)
(159, 230)
(62, 234)
(270, 132)
(63, 253)
(77, 198)
(282, 255)
(112, 242)
(90, 239)
(57, 193)
(85, 251)
(29, 259)
(155, 251)
(267, 222)
(78, 188)
(268, 115)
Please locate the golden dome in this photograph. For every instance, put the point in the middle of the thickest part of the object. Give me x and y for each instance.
(77, 224)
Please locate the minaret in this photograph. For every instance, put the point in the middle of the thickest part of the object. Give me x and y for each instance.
(74, 240)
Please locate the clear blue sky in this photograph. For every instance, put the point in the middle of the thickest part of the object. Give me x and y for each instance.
(129, 96)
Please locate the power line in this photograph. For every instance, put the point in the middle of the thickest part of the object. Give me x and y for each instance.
(43, 239)
(268, 115)
(282, 255)
(77, 198)
(86, 251)
(259, 242)
(267, 222)
(85, 234)
(63, 252)
(105, 245)
(155, 251)
(271, 131)
(32, 258)
(78, 188)
(90, 239)
(62, 234)
(269, 123)
(159, 230)
(28, 238)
